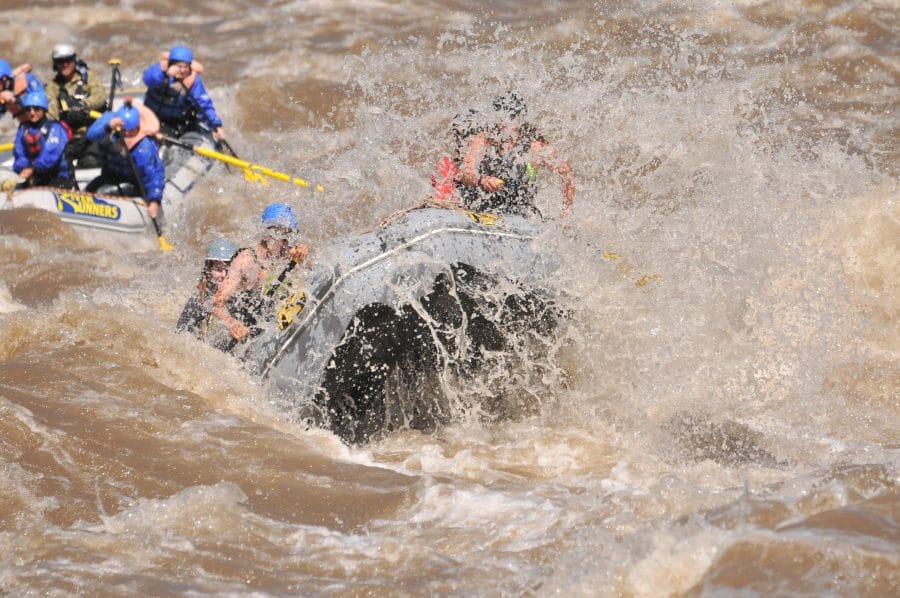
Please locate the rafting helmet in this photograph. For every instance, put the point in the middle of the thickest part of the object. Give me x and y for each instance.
(35, 98)
(221, 250)
(465, 124)
(5, 69)
(131, 118)
(63, 51)
(181, 54)
(511, 105)
(279, 214)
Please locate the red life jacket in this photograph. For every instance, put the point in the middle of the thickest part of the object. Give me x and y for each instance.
(68, 129)
(35, 140)
(444, 181)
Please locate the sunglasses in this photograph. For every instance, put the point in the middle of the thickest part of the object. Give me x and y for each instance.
(282, 231)
(33, 109)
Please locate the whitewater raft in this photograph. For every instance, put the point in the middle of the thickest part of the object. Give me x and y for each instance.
(359, 342)
(109, 212)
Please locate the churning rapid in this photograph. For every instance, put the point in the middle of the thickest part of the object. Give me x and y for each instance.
(718, 412)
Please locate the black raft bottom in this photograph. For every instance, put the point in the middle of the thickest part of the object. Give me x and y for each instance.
(389, 370)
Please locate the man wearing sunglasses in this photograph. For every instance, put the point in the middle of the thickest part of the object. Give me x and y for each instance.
(40, 146)
(73, 94)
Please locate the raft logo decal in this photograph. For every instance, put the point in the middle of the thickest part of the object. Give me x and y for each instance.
(85, 204)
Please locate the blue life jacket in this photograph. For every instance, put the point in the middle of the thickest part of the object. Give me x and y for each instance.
(116, 165)
(42, 147)
(145, 155)
(172, 103)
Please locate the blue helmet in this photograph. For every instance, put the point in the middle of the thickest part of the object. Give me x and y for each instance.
(279, 214)
(221, 250)
(181, 54)
(5, 69)
(131, 118)
(35, 98)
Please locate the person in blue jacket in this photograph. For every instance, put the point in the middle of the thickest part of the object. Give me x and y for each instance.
(39, 149)
(175, 92)
(13, 85)
(130, 162)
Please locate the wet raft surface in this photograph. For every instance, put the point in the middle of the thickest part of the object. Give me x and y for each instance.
(392, 314)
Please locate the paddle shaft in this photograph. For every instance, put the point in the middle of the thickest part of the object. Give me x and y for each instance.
(234, 161)
(143, 190)
(116, 81)
(227, 146)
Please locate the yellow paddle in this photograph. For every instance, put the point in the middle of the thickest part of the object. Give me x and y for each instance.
(6, 147)
(253, 172)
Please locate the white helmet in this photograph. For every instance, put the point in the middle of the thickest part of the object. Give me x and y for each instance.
(63, 50)
(221, 250)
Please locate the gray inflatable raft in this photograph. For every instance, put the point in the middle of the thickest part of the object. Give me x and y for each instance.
(389, 312)
(105, 209)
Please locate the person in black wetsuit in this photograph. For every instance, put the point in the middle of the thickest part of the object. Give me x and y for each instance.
(498, 166)
(196, 315)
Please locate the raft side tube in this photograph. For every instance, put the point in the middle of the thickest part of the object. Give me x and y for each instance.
(383, 285)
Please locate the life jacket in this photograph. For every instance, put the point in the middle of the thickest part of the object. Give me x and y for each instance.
(517, 195)
(172, 101)
(251, 305)
(444, 181)
(74, 111)
(116, 163)
(82, 68)
(36, 139)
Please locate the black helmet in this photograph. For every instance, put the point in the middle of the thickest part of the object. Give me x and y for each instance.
(465, 124)
(511, 105)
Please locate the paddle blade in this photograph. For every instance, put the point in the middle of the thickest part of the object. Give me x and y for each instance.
(255, 177)
(165, 245)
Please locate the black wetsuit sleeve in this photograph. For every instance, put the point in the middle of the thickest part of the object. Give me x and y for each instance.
(191, 317)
